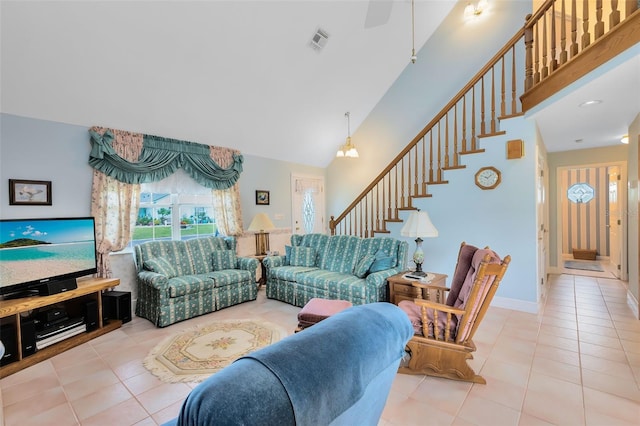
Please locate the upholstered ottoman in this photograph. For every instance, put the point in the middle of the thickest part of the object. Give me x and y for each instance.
(318, 309)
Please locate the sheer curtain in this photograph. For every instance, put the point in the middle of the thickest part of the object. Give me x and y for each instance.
(114, 204)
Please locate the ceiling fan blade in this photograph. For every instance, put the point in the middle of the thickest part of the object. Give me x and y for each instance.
(378, 13)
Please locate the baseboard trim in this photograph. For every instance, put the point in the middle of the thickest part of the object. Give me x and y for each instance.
(633, 304)
(515, 304)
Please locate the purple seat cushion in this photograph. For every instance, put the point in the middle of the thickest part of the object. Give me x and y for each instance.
(413, 311)
(462, 267)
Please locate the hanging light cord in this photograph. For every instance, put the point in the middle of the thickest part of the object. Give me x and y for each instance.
(413, 34)
(346, 114)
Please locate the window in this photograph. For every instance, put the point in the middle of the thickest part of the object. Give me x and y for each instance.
(580, 193)
(168, 214)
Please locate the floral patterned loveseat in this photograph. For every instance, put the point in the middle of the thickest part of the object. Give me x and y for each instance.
(178, 280)
(344, 267)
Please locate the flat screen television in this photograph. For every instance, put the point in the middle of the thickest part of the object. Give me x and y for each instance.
(34, 252)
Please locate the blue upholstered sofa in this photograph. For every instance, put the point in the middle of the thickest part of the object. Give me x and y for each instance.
(337, 372)
(344, 267)
(178, 280)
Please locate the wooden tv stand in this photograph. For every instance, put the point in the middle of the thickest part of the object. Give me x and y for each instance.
(10, 311)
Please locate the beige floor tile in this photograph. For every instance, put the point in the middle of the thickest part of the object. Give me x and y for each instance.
(16, 414)
(409, 412)
(605, 366)
(447, 395)
(482, 411)
(60, 415)
(501, 392)
(625, 388)
(29, 389)
(81, 370)
(557, 354)
(406, 384)
(604, 352)
(147, 422)
(142, 383)
(168, 413)
(90, 384)
(162, 396)
(126, 413)
(108, 397)
(560, 370)
(606, 409)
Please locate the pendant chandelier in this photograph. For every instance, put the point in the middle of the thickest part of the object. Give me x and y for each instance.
(348, 149)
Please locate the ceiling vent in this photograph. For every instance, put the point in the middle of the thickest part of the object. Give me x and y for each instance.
(319, 39)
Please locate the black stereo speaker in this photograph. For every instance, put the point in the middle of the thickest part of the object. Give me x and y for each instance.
(55, 287)
(28, 335)
(90, 314)
(117, 305)
(8, 337)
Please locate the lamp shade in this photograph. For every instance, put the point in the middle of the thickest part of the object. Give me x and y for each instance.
(419, 225)
(261, 222)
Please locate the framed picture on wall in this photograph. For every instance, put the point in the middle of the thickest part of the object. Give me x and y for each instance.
(29, 192)
(262, 197)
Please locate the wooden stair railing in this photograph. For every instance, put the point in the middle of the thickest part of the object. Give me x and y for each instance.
(455, 130)
(473, 113)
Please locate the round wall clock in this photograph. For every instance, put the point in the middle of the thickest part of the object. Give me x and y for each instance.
(488, 178)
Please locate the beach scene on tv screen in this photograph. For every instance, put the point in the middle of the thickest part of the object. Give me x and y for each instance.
(33, 250)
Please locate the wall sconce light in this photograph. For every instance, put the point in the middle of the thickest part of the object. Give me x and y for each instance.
(259, 224)
(625, 139)
(348, 149)
(475, 10)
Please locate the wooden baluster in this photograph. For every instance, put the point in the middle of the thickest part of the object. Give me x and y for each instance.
(384, 222)
(563, 34)
(402, 193)
(446, 140)
(377, 209)
(455, 135)
(408, 157)
(493, 100)
(416, 172)
(545, 70)
(536, 75)
(598, 31)
(482, 102)
(574, 29)
(514, 103)
(586, 37)
(439, 155)
(464, 123)
(366, 216)
(431, 156)
(631, 6)
(396, 192)
(424, 167)
(390, 214)
(503, 90)
(553, 63)
(473, 118)
(614, 16)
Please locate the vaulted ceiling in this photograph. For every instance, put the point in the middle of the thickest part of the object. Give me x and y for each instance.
(243, 74)
(239, 74)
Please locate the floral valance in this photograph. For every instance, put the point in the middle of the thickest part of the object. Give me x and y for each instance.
(160, 157)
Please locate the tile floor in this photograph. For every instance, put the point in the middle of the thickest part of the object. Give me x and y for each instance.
(576, 364)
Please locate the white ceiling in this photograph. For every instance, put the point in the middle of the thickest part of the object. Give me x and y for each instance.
(228, 73)
(242, 74)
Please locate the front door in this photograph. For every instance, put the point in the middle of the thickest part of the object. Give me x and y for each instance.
(614, 220)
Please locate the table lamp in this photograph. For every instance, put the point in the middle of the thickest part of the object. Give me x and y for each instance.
(418, 225)
(259, 224)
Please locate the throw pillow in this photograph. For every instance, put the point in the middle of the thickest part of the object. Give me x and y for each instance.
(161, 266)
(287, 255)
(223, 259)
(302, 256)
(362, 267)
(382, 262)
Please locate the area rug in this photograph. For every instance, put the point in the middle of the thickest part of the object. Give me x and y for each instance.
(585, 266)
(196, 353)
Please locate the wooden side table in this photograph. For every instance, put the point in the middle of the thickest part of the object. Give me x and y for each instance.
(263, 270)
(401, 288)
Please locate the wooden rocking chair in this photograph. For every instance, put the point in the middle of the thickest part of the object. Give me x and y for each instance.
(443, 343)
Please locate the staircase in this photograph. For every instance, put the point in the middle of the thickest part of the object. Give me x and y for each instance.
(539, 60)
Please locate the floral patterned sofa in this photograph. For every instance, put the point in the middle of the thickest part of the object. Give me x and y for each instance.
(344, 267)
(178, 280)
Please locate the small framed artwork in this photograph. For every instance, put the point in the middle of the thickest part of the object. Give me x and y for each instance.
(29, 192)
(262, 197)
